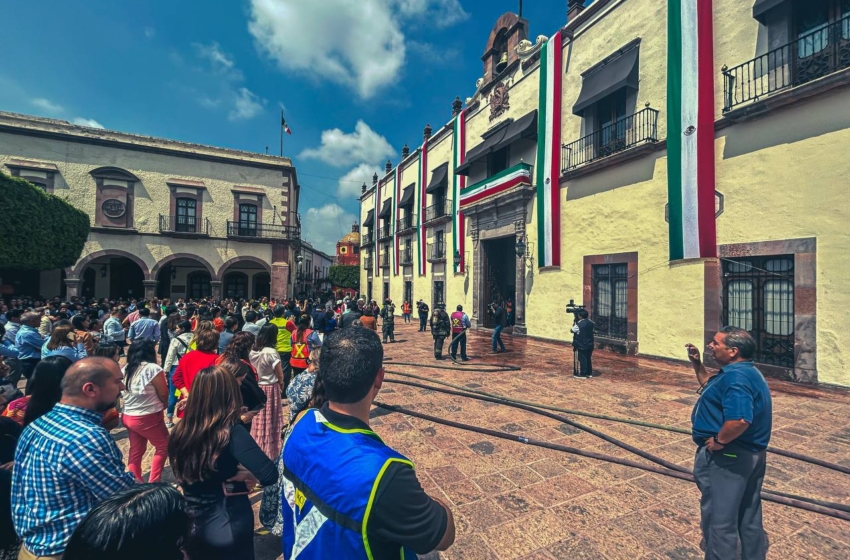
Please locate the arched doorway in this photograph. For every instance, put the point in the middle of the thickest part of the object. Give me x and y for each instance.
(113, 277)
(236, 285)
(183, 276)
(198, 285)
(89, 281)
(261, 285)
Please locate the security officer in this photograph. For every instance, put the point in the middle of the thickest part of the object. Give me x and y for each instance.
(388, 326)
(460, 323)
(583, 343)
(422, 308)
(440, 328)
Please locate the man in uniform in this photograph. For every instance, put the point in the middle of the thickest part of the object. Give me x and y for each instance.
(388, 326)
(583, 343)
(440, 328)
(422, 307)
(460, 322)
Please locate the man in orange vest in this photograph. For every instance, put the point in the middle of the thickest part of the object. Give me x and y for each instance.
(405, 311)
(460, 323)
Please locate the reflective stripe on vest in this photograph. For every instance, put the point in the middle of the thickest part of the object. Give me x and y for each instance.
(457, 322)
(300, 351)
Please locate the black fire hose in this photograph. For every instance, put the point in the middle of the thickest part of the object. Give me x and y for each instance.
(767, 496)
(619, 419)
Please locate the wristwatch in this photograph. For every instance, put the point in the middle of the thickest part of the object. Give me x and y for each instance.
(717, 441)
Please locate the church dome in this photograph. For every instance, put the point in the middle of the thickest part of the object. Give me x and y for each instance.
(351, 237)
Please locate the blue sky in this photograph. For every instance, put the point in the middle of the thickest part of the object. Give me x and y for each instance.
(357, 78)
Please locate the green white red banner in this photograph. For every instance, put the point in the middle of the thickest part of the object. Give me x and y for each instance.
(549, 153)
(459, 183)
(519, 174)
(690, 137)
(422, 264)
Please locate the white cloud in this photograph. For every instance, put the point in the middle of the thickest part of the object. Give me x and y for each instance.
(350, 184)
(81, 121)
(217, 58)
(430, 53)
(326, 225)
(47, 106)
(340, 149)
(247, 105)
(357, 44)
(150, 32)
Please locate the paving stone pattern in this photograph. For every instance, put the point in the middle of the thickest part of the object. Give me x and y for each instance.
(514, 501)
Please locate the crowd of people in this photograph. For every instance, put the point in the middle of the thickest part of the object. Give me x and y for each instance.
(205, 383)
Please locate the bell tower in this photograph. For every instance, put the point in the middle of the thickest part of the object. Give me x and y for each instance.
(509, 30)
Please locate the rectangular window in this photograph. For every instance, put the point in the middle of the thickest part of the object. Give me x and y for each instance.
(438, 293)
(758, 296)
(187, 210)
(248, 219)
(408, 291)
(386, 291)
(610, 299)
(611, 124)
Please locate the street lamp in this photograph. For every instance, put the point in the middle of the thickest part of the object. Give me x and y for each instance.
(457, 258)
(520, 246)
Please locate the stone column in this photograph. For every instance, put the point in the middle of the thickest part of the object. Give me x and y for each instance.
(215, 286)
(150, 288)
(73, 287)
(477, 319)
(280, 280)
(519, 297)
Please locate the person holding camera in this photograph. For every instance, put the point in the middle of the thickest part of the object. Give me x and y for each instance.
(583, 343)
(423, 309)
(440, 328)
(500, 321)
(732, 423)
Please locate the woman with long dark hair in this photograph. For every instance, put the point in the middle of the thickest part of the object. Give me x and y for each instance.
(45, 391)
(63, 342)
(144, 400)
(237, 358)
(206, 450)
(143, 522)
(266, 359)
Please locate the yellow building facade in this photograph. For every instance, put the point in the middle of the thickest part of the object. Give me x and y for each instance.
(782, 111)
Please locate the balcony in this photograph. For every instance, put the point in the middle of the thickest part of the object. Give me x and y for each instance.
(407, 256)
(436, 252)
(812, 56)
(183, 225)
(385, 260)
(438, 212)
(406, 224)
(366, 239)
(368, 263)
(249, 230)
(385, 232)
(623, 134)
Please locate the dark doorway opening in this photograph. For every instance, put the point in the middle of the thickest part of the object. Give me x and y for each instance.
(408, 291)
(262, 286)
(499, 266)
(439, 294)
(89, 279)
(125, 278)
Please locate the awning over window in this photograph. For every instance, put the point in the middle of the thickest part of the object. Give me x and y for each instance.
(498, 138)
(370, 219)
(439, 179)
(407, 195)
(385, 209)
(761, 7)
(607, 78)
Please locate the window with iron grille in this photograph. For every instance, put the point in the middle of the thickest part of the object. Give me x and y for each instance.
(758, 296)
(610, 299)
(439, 293)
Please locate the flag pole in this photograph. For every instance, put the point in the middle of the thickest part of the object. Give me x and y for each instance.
(281, 133)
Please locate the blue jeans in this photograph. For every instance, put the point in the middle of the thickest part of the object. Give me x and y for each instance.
(497, 337)
(172, 398)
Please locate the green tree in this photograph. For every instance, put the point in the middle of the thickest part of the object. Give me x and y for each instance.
(39, 231)
(345, 276)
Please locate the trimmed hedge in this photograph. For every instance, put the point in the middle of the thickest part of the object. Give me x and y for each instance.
(38, 231)
(345, 276)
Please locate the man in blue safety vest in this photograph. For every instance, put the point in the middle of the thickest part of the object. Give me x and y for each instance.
(345, 493)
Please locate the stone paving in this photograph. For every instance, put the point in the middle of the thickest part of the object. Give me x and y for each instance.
(514, 501)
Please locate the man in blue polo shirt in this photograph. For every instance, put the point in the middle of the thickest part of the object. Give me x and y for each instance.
(732, 421)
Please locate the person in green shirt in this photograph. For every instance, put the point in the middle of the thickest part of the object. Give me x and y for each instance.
(284, 342)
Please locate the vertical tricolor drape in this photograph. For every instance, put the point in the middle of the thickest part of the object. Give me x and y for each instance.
(422, 197)
(690, 134)
(549, 154)
(459, 182)
(396, 209)
(377, 229)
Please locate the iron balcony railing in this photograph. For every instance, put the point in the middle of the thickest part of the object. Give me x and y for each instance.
(438, 210)
(407, 255)
(437, 251)
(622, 134)
(183, 224)
(368, 263)
(810, 56)
(367, 239)
(262, 231)
(406, 223)
(385, 260)
(385, 232)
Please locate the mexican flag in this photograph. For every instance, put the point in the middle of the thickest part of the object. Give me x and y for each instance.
(549, 154)
(459, 183)
(690, 130)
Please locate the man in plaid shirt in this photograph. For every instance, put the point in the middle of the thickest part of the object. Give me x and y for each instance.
(66, 462)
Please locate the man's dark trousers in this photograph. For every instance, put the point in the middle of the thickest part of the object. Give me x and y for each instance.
(730, 481)
(584, 362)
(27, 369)
(423, 321)
(460, 340)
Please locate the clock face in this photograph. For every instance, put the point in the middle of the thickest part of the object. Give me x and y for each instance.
(113, 208)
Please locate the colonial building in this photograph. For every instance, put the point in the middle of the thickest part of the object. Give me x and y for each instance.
(348, 254)
(168, 219)
(672, 179)
(312, 277)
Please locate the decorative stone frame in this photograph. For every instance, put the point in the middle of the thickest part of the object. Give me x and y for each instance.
(630, 344)
(114, 183)
(248, 195)
(804, 251)
(181, 188)
(40, 174)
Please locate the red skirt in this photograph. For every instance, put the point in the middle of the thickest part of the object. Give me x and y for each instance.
(266, 427)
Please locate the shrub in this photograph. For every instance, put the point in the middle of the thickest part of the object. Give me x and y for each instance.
(345, 276)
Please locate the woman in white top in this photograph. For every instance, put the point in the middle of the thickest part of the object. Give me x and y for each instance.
(144, 399)
(179, 347)
(265, 429)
